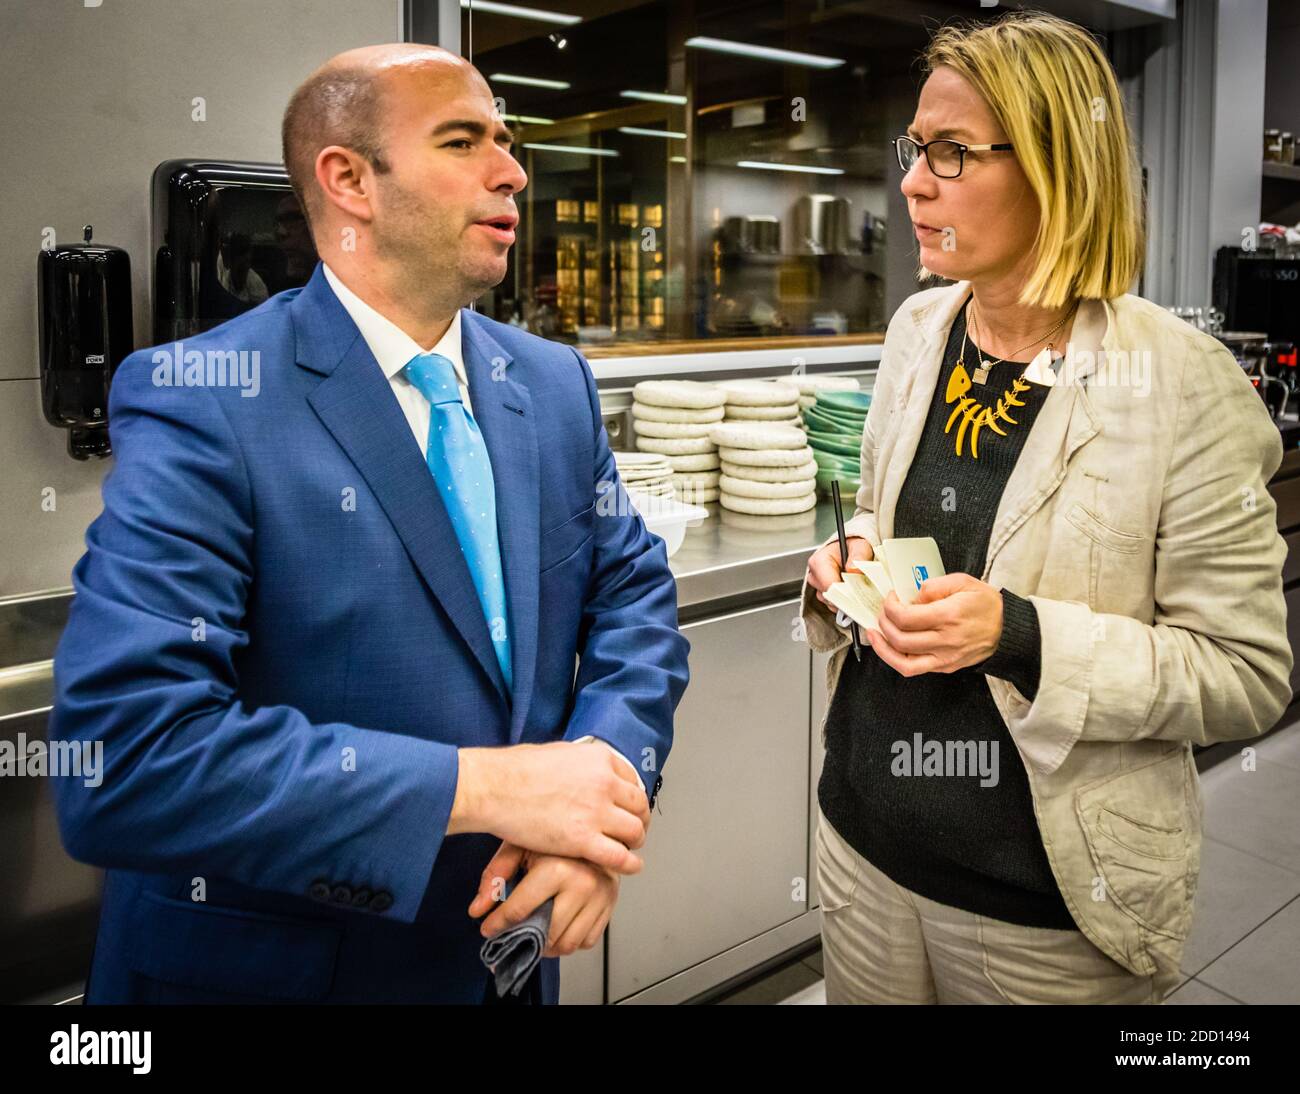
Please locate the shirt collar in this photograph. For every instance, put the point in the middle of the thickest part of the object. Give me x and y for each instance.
(392, 347)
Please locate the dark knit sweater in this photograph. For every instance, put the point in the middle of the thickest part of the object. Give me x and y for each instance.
(938, 823)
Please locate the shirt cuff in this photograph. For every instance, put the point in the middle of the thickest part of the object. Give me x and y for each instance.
(590, 737)
(1019, 656)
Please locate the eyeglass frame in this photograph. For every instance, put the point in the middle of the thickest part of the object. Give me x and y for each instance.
(962, 149)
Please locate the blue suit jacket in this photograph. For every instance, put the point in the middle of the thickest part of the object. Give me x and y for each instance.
(278, 641)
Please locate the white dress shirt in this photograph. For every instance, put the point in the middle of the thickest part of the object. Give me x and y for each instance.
(393, 348)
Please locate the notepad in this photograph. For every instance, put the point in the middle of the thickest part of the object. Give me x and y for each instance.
(899, 564)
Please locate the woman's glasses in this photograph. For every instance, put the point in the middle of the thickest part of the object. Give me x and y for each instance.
(946, 158)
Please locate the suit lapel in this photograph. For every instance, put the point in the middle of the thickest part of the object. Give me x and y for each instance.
(357, 406)
(503, 409)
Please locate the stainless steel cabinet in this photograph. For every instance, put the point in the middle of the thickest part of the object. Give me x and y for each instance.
(582, 976)
(728, 848)
(820, 700)
(49, 904)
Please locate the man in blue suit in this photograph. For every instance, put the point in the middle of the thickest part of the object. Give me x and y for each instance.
(326, 625)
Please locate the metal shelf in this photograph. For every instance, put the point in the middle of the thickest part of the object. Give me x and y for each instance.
(1290, 171)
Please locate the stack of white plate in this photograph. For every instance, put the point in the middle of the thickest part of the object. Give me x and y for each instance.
(672, 418)
(646, 472)
(808, 386)
(762, 401)
(767, 469)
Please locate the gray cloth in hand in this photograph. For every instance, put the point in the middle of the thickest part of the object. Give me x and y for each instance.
(512, 955)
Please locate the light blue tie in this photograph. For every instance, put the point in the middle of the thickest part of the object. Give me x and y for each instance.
(458, 461)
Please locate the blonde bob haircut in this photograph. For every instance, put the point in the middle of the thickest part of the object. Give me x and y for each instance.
(1054, 93)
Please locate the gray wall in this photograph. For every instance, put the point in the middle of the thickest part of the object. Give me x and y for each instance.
(1199, 117)
(94, 98)
(1241, 40)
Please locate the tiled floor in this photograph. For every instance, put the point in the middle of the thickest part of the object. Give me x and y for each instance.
(1245, 942)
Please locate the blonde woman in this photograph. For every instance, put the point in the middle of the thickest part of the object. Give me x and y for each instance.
(1010, 809)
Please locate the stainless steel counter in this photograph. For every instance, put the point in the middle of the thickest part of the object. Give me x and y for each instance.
(26, 690)
(726, 560)
(731, 558)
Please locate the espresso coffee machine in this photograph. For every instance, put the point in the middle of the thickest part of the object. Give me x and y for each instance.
(1259, 294)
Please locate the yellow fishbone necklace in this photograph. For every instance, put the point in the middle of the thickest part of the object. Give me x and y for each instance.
(972, 413)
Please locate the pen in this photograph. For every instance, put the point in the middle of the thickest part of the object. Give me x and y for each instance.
(844, 559)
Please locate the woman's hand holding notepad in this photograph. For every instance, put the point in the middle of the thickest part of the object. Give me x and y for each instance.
(900, 565)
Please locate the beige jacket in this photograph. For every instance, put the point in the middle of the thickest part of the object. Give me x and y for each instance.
(1138, 522)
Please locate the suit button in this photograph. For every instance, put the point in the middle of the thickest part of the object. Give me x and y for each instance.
(361, 897)
(341, 894)
(320, 890)
(381, 901)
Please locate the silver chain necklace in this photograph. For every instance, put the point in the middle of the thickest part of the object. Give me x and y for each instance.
(982, 372)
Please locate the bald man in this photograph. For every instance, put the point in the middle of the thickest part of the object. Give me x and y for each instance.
(327, 633)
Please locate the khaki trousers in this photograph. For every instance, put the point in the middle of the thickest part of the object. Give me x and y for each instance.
(882, 943)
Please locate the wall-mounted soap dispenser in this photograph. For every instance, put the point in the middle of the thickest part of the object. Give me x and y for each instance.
(84, 296)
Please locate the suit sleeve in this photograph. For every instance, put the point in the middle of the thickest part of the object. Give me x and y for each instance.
(632, 666)
(625, 761)
(1215, 663)
(195, 780)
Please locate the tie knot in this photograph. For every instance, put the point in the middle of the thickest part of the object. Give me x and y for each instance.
(434, 377)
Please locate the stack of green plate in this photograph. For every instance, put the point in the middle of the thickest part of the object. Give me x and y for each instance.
(834, 424)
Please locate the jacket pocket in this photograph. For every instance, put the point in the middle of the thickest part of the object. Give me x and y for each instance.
(564, 539)
(1139, 836)
(1096, 529)
(232, 950)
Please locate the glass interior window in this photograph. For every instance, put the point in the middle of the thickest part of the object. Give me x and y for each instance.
(711, 175)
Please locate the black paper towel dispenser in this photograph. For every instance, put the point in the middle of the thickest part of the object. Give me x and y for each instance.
(224, 236)
(84, 297)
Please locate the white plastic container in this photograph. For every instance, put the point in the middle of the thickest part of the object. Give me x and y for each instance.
(667, 518)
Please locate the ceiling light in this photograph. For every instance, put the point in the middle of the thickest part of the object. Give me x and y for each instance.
(637, 132)
(655, 97)
(574, 149)
(799, 167)
(529, 81)
(765, 53)
(516, 12)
